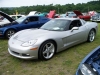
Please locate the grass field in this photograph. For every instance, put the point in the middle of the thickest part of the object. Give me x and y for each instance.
(63, 63)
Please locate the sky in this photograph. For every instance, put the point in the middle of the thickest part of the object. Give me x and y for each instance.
(19, 3)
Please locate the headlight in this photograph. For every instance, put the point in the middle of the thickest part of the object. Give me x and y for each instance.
(29, 43)
(85, 70)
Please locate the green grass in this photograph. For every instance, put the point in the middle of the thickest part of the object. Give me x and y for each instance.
(63, 63)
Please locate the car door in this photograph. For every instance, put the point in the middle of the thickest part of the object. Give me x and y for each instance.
(29, 22)
(75, 35)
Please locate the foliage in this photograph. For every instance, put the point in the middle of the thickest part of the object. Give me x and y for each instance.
(83, 7)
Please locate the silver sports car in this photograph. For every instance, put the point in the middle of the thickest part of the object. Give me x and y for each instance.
(54, 36)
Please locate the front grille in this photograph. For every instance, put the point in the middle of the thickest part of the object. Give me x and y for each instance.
(20, 54)
(15, 53)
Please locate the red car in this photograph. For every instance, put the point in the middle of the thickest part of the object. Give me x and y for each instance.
(81, 16)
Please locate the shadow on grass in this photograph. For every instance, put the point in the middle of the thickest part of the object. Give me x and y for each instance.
(72, 47)
(4, 39)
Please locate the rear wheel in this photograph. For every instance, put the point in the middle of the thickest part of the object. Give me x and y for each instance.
(91, 36)
(9, 33)
(47, 50)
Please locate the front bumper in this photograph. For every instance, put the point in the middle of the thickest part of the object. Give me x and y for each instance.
(1, 35)
(96, 20)
(23, 55)
(16, 50)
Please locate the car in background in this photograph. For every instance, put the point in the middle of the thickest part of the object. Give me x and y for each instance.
(16, 16)
(34, 13)
(62, 15)
(71, 14)
(81, 16)
(25, 22)
(96, 17)
(4, 21)
(90, 65)
(54, 36)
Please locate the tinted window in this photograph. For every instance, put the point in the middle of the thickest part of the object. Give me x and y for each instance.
(32, 19)
(75, 23)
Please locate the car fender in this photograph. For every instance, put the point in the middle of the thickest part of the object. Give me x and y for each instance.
(9, 29)
(59, 43)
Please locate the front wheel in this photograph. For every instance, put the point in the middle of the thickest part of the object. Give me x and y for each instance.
(9, 33)
(47, 50)
(91, 36)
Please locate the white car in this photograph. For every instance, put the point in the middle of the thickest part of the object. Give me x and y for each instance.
(16, 16)
(5, 21)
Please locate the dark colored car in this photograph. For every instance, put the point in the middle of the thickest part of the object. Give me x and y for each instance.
(25, 22)
(90, 65)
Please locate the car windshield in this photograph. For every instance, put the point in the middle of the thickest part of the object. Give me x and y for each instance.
(19, 20)
(56, 25)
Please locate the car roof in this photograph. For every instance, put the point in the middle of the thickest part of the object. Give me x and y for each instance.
(68, 18)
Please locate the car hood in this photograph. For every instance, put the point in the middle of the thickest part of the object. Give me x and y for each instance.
(29, 34)
(92, 58)
(6, 16)
(77, 12)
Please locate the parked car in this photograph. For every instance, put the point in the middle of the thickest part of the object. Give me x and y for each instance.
(25, 22)
(71, 14)
(81, 16)
(62, 15)
(16, 16)
(90, 65)
(4, 21)
(34, 13)
(96, 17)
(54, 36)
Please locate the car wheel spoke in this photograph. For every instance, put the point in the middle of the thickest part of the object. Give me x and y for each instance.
(48, 50)
(92, 36)
(10, 33)
(44, 52)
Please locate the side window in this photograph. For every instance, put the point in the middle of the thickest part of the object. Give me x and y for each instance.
(14, 17)
(18, 16)
(83, 21)
(75, 23)
(33, 19)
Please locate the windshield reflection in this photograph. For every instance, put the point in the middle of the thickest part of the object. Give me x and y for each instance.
(19, 20)
(56, 25)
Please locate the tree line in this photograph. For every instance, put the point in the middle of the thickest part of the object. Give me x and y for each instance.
(83, 7)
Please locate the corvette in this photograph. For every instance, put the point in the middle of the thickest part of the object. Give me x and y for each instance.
(54, 36)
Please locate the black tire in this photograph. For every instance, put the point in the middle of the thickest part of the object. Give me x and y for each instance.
(47, 50)
(9, 33)
(91, 36)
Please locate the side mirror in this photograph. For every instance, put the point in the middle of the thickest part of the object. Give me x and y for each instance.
(74, 28)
